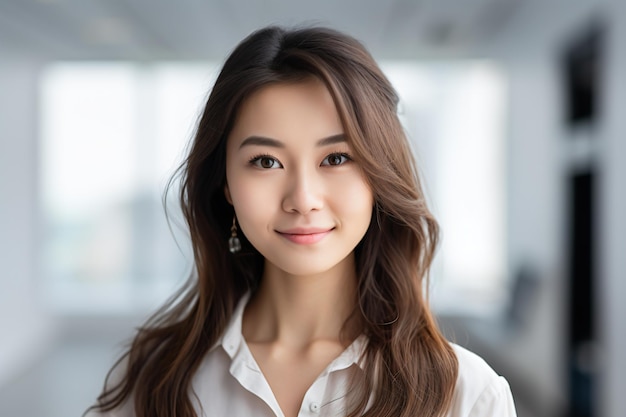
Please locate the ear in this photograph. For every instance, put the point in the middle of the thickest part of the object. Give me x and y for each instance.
(227, 194)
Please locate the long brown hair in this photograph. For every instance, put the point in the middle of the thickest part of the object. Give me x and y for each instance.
(410, 369)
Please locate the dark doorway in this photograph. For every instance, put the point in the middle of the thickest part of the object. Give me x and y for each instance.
(581, 309)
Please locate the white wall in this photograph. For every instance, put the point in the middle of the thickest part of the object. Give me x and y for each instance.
(539, 155)
(612, 256)
(25, 331)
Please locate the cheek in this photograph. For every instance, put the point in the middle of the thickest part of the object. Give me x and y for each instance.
(353, 196)
(254, 202)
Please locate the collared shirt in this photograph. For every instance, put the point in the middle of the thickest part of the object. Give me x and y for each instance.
(230, 383)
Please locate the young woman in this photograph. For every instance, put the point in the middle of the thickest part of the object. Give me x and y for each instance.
(312, 241)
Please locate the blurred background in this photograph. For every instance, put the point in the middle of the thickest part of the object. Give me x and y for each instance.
(515, 110)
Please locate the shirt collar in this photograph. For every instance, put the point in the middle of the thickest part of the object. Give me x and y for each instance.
(233, 337)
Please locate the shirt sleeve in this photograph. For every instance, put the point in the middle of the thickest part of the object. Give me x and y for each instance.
(495, 401)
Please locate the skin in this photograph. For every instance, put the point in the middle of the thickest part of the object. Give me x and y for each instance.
(304, 204)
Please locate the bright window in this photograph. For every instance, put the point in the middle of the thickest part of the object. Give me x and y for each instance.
(112, 134)
(454, 112)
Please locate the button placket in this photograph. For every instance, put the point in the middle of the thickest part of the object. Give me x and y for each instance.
(314, 396)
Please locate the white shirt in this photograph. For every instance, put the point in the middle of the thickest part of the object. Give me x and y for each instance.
(230, 383)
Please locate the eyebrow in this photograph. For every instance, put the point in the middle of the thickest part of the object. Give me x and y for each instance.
(264, 141)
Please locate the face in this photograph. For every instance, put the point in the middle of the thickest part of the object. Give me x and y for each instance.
(299, 197)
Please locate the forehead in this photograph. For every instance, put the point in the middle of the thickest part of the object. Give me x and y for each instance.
(286, 111)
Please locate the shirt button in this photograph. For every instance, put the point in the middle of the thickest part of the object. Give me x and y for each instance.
(314, 407)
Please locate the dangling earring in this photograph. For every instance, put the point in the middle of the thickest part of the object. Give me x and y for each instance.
(234, 245)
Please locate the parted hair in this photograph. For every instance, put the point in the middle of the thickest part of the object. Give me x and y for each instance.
(409, 367)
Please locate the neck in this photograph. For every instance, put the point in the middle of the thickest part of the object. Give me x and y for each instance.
(300, 310)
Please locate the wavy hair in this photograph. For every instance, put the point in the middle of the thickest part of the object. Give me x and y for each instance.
(410, 369)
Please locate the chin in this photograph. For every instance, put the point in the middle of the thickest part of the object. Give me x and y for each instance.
(307, 265)
(304, 270)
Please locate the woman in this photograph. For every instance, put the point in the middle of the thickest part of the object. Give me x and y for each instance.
(311, 240)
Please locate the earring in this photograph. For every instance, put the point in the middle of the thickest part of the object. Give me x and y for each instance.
(234, 245)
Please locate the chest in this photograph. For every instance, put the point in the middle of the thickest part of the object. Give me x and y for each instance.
(291, 374)
(232, 384)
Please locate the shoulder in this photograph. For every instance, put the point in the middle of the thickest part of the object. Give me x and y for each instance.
(479, 390)
(473, 370)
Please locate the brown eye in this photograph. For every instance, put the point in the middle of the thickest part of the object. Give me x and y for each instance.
(265, 162)
(335, 159)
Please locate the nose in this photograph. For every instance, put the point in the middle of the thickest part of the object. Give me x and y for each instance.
(304, 193)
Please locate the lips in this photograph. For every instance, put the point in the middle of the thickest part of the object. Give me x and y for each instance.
(305, 236)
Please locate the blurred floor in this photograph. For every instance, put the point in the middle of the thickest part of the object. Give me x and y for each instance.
(67, 381)
(62, 384)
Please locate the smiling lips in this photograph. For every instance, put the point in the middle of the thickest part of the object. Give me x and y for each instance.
(305, 236)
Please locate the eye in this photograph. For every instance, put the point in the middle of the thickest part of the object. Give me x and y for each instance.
(265, 162)
(337, 158)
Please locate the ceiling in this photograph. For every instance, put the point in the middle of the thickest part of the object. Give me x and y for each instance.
(208, 29)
